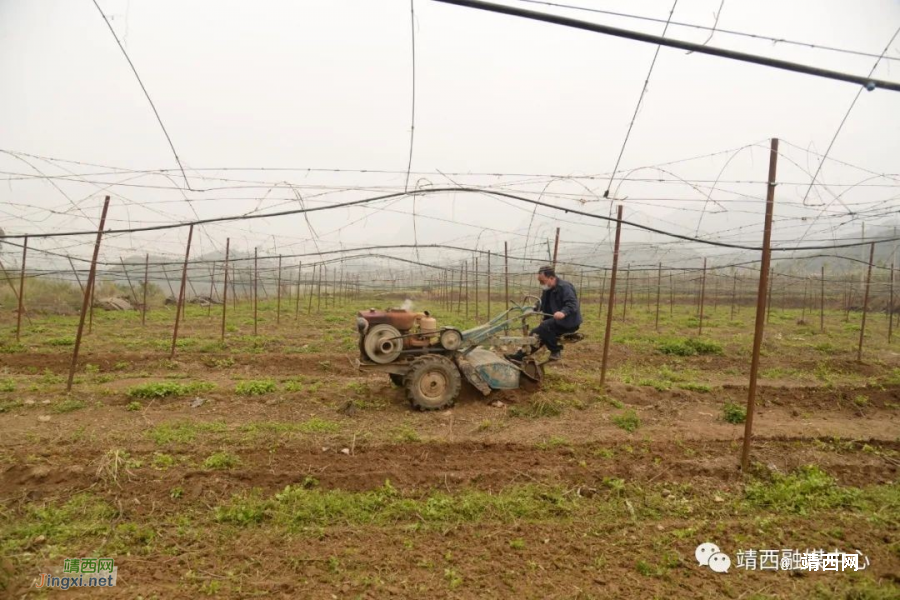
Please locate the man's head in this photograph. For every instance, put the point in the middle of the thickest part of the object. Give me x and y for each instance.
(547, 278)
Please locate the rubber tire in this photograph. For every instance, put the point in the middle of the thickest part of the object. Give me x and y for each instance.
(429, 364)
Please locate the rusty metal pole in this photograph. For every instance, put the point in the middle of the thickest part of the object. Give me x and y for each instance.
(146, 283)
(71, 264)
(278, 294)
(891, 307)
(181, 290)
(255, 289)
(555, 247)
(822, 301)
(506, 273)
(234, 296)
(466, 269)
(658, 292)
(475, 276)
(212, 287)
(128, 279)
(459, 294)
(489, 286)
(602, 295)
(671, 294)
(715, 293)
(852, 285)
(612, 296)
(168, 282)
(862, 329)
(21, 290)
(16, 292)
(334, 286)
(299, 282)
(323, 276)
(312, 282)
(87, 295)
(760, 305)
(225, 287)
(733, 292)
(769, 299)
(805, 300)
(702, 295)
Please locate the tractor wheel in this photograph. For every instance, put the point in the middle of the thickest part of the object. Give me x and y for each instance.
(432, 382)
(396, 379)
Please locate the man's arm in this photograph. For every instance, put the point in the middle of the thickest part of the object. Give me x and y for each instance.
(570, 301)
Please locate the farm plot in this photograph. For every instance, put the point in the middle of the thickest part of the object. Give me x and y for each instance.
(268, 465)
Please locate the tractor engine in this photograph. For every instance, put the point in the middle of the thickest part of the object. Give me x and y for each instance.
(385, 334)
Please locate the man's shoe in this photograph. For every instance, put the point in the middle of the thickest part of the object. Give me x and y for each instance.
(518, 356)
(556, 355)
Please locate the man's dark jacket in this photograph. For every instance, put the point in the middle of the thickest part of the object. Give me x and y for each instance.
(562, 297)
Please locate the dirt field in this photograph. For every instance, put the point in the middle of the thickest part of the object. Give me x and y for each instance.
(270, 466)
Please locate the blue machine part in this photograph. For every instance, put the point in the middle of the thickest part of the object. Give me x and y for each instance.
(495, 371)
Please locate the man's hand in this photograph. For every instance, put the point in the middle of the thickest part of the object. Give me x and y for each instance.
(558, 315)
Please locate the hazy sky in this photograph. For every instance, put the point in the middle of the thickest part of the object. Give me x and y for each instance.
(327, 85)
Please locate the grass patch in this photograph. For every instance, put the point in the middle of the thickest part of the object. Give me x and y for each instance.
(298, 507)
(689, 347)
(68, 406)
(809, 488)
(61, 341)
(696, 387)
(536, 408)
(182, 433)
(256, 387)
(83, 517)
(734, 413)
(657, 384)
(221, 461)
(7, 385)
(405, 435)
(163, 389)
(629, 421)
(161, 461)
(317, 425)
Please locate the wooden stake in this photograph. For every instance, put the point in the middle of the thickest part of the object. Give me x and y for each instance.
(299, 280)
(760, 306)
(146, 284)
(87, 296)
(658, 292)
(862, 329)
(555, 248)
(891, 307)
(255, 289)
(506, 274)
(21, 290)
(702, 296)
(181, 291)
(310, 286)
(822, 301)
(475, 276)
(225, 287)
(612, 297)
(278, 294)
(466, 269)
(489, 285)
(128, 279)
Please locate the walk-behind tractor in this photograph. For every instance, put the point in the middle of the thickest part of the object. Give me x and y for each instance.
(427, 360)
